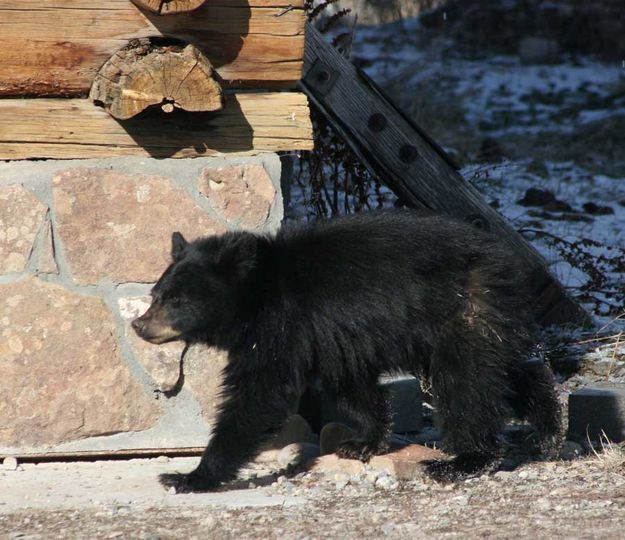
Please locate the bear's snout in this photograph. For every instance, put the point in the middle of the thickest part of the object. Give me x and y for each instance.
(138, 325)
(154, 326)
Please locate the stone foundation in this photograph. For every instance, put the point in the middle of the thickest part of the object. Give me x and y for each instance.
(81, 243)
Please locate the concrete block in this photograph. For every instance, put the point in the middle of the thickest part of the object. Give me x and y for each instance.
(597, 410)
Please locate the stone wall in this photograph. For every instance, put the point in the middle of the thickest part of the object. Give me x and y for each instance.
(81, 243)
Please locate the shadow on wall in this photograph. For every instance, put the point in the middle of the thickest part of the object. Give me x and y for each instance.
(165, 134)
(204, 27)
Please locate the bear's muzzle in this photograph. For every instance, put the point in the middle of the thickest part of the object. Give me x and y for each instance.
(154, 325)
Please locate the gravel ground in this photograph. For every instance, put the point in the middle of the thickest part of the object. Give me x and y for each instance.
(121, 499)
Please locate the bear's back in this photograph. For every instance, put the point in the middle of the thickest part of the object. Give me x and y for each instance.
(389, 240)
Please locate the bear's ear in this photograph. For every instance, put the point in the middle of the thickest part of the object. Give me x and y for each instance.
(239, 257)
(178, 245)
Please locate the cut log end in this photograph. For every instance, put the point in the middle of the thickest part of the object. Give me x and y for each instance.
(169, 7)
(148, 73)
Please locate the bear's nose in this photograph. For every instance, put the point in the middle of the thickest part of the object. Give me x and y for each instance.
(137, 325)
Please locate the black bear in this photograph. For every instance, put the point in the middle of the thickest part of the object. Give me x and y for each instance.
(344, 301)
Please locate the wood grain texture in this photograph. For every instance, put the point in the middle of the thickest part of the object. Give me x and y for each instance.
(55, 47)
(414, 167)
(144, 74)
(169, 7)
(75, 128)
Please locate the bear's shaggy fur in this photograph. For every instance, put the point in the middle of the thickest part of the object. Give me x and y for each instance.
(344, 301)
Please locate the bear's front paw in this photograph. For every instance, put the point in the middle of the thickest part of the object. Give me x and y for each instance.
(360, 449)
(188, 483)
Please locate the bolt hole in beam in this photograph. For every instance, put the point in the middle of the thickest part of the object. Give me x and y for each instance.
(408, 153)
(377, 122)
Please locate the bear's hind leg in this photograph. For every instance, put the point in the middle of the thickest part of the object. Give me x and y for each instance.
(369, 407)
(471, 396)
(536, 401)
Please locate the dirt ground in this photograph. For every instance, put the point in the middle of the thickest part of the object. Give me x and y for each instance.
(122, 499)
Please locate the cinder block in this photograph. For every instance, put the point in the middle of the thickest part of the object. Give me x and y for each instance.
(597, 410)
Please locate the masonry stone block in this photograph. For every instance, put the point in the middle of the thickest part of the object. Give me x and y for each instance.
(203, 377)
(21, 217)
(162, 362)
(118, 226)
(406, 403)
(62, 374)
(242, 194)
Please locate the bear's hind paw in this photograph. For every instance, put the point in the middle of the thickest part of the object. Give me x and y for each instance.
(360, 449)
(461, 467)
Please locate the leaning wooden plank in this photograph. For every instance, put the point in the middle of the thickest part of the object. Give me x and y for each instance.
(55, 48)
(75, 128)
(413, 166)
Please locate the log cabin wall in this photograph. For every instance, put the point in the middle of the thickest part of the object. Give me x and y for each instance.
(120, 122)
(52, 52)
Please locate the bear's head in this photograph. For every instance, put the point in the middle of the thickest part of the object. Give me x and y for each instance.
(199, 294)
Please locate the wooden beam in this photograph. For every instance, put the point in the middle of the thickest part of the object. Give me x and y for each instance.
(398, 151)
(54, 48)
(76, 128)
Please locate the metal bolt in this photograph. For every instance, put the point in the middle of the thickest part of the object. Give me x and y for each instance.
(323, 76)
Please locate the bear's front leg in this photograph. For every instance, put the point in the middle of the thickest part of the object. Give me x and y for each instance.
(253, 411)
